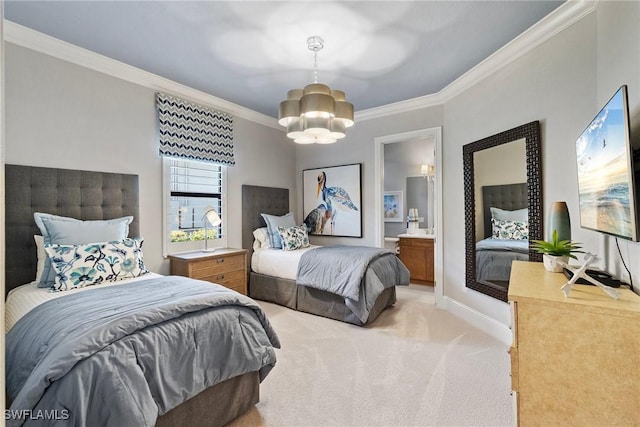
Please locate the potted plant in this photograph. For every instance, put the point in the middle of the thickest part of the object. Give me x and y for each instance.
(556, 250)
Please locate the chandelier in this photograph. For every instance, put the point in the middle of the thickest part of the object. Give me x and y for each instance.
(315, 114)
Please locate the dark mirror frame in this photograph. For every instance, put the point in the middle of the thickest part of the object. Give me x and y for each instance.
(531, 133)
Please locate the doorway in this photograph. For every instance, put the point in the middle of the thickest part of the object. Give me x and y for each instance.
(431, 137)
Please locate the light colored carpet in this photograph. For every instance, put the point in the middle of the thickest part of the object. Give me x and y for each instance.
(414, 366)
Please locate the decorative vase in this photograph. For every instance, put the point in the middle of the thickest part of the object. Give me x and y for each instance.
(559, 220)
(551, 262)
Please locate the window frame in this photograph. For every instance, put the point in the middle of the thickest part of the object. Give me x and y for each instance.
(169, 247)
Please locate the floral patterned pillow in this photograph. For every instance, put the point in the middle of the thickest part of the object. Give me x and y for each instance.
(77, 266)
(294, 237)
(509, 230)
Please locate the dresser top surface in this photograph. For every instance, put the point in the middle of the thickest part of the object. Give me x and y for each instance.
(531, 282)
(196, 255)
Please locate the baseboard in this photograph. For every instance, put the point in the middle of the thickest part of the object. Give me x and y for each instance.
(486, 324)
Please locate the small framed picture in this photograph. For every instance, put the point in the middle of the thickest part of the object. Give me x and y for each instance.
(393, 206)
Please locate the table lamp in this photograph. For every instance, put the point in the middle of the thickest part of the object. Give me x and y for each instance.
(210, 217)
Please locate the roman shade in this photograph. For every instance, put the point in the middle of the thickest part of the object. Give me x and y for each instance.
(192, 131)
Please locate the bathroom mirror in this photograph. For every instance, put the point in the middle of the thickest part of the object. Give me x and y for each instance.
(418, 194)
(503, 181)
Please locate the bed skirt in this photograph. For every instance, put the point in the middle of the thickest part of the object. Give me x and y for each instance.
(217, 405)
(314, 301)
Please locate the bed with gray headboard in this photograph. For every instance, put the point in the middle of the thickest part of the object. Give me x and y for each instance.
(494, 256)
(88, 195)
(257, 200)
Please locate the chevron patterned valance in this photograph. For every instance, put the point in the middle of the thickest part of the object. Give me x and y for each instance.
(192, 131)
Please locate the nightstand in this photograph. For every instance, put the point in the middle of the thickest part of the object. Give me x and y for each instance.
(227, 267)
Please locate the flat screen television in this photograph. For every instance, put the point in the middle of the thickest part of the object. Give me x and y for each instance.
(606, 178)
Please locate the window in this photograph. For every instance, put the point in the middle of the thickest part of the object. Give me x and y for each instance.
(192, 188)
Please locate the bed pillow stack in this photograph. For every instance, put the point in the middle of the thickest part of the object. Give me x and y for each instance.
(273, 222)
(59, 230)
(509, 225)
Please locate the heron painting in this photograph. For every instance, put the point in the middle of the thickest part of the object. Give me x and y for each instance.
(332, 200)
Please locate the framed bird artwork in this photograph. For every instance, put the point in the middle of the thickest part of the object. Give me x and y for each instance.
(332, 200)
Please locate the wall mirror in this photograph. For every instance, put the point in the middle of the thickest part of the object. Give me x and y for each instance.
(503, 206)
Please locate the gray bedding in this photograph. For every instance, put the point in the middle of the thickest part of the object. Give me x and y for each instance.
(494, 258)
(123, 355)
(359, 274)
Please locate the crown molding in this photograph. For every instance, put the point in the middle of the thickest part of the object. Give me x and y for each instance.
(34, 40)
(563, 17)
(407, 105)
(558, 20)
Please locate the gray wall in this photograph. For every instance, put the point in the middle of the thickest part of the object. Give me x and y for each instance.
(62, 115)
(618, 62)
(563, 83)
(554, 83)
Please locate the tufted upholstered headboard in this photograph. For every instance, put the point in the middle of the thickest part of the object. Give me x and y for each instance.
(507, 196)
(257, 200)
(78, 194)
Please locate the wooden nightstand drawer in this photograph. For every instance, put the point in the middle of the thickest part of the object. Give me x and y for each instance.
(238, 286)
(209, 267)
(227, 267)
(224, 278)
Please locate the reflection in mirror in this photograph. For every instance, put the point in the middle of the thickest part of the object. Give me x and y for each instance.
(503, 205)
(417, 198)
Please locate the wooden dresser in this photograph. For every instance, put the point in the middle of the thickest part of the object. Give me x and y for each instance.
(417, 254)
(227, 267)
(575, 361)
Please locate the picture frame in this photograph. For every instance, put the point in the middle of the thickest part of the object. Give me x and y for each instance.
(332, 200)
(393, 206)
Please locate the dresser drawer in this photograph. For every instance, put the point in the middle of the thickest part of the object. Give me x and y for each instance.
(417, 242)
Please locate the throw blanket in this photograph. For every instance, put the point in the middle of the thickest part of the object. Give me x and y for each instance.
(125, 354)
(357, 273)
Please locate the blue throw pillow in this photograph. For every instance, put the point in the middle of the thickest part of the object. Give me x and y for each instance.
(273, 222)
(294, 237)
(70, 231)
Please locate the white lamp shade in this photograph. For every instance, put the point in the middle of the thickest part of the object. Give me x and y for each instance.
(212, 217)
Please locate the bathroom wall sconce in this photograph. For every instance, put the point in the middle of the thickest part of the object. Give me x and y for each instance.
(428, 171)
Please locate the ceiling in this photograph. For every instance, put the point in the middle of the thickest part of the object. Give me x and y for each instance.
(252, 52)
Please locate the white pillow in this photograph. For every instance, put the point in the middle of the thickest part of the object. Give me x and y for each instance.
(261, 236)
(41, 254)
